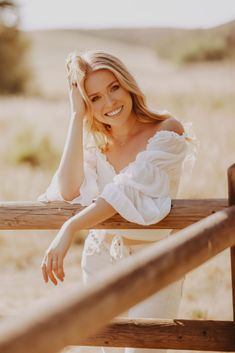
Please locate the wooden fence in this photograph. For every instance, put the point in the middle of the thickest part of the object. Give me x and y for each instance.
(81, 318)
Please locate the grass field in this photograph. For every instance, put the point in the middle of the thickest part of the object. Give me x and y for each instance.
(202, 94)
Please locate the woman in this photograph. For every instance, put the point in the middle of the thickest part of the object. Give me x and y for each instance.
(119, 157)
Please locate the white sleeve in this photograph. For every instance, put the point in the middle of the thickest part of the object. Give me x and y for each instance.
(141, 193)
(89, 188)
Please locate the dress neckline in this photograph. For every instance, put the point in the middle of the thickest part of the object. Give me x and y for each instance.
(156, 135)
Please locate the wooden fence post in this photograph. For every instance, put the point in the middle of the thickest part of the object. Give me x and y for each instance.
(231, 201)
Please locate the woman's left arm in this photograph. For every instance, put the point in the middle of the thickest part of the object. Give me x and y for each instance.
(52, 264)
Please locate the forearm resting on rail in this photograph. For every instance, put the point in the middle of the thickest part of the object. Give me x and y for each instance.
(90, 216)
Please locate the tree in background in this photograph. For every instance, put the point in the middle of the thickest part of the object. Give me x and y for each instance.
(14, 72)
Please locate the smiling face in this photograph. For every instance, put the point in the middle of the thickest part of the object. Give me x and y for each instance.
(111, 103)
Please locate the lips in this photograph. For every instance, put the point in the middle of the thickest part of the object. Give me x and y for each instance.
(115, 112)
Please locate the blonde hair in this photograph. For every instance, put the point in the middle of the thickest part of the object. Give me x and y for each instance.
(79, 65)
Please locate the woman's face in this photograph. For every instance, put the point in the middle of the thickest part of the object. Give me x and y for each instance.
(111, 103)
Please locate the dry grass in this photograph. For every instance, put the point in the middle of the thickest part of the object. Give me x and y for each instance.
(202, 94)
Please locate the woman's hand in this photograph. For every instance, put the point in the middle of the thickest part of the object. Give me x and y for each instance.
(53, 261)
(77, 102)
(52, 264)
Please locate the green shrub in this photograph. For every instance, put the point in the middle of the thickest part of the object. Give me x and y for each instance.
(203, 52)
(14, 75)
(14, 70)
(26, 149)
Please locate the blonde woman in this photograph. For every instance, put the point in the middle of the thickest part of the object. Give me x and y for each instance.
(119, 157)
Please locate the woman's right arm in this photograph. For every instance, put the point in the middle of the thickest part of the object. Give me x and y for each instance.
(70, 171)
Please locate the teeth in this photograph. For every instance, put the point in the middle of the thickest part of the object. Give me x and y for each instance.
(114, 112)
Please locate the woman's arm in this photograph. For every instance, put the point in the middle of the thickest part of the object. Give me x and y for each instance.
(52, 264)
(70, 171)
(97, 212)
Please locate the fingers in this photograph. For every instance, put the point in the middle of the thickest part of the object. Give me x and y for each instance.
(52, 267)
(44, 272)
(60, 270)
(72, 83)
(47, 270)
(57, 268)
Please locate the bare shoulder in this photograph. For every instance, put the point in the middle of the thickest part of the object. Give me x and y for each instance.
(173, 124)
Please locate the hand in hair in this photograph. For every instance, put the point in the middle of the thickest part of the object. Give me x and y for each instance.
(77, 102)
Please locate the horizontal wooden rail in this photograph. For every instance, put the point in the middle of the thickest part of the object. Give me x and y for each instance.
(81, 314)
(205, 335)
(38, 215)
(231, 201)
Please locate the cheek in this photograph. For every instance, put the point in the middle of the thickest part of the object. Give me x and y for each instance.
(96, 108)
(129, 101)
(97, 112)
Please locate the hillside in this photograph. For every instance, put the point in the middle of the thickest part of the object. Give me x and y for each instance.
(169, 41)
(166, 43)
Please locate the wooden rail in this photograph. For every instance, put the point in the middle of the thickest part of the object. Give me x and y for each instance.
(231, 201)
(205, 335)
(82, 314)
(77, 318)
(38, 215)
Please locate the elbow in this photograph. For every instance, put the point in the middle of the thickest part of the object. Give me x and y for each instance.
(69, 196)
(68, 193)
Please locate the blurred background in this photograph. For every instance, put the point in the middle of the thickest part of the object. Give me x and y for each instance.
(182, 53)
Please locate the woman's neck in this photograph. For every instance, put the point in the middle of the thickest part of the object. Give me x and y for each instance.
(122, 133)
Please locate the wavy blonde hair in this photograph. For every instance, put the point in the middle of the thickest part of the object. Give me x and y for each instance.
(79, 65)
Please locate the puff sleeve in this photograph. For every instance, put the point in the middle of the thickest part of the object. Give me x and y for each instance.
(88, 189)
(142, 192)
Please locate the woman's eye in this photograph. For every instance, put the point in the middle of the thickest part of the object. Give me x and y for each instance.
(94, 99)
(115, 87)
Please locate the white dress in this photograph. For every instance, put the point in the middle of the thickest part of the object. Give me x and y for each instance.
(141, 193)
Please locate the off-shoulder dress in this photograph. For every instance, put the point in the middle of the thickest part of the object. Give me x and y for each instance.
(141, 193)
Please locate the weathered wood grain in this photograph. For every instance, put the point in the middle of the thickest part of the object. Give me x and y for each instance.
(38, 215)
(201, 335)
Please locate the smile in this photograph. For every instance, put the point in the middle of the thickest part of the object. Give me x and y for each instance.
(115, 112)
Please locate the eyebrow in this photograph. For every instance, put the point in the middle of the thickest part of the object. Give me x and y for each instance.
(110, 84)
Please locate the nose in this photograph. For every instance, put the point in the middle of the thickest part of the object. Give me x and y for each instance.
(109, 101)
